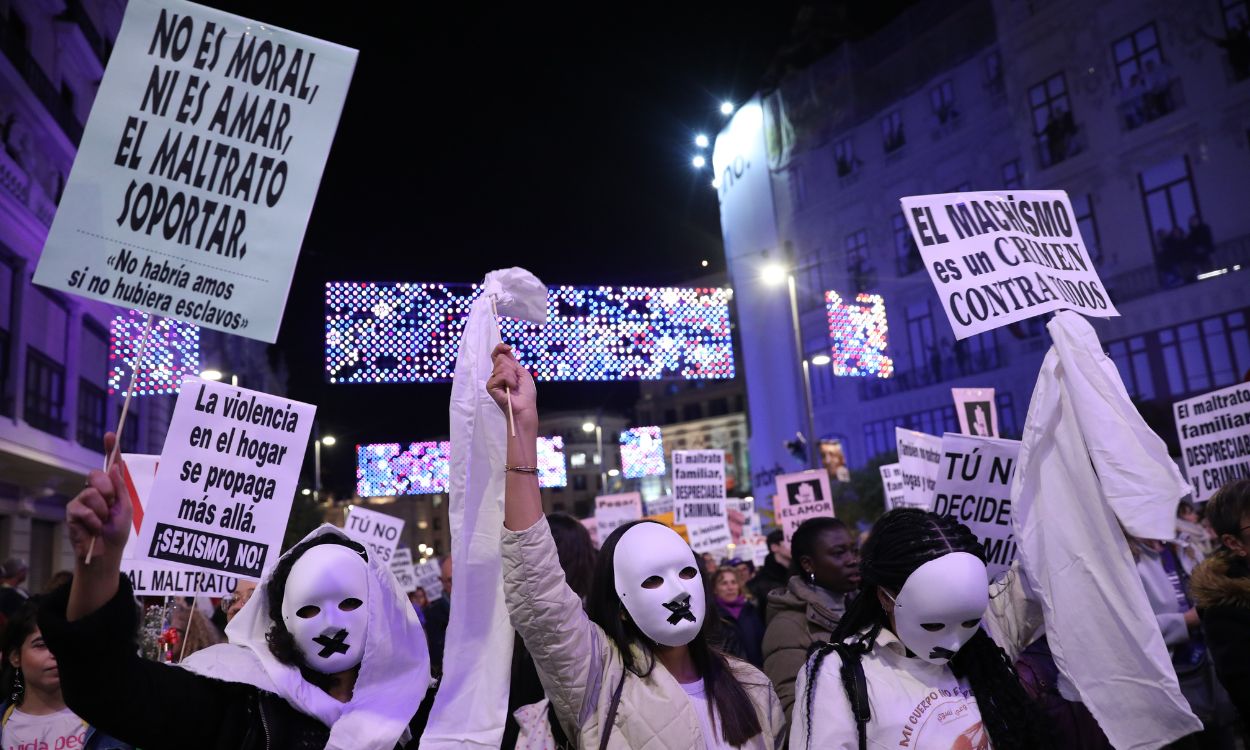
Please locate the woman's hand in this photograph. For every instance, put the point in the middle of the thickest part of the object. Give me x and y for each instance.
(509, 379)
(101, 511)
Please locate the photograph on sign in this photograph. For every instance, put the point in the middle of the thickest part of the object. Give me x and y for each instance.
(892, 482)
(919, 455)
(1214, 432)
(195, 177)
(977, 413)
(1001, 257)
(802, 496)
(379, 532)
(974, 488)
(612, 511)
(227, 476)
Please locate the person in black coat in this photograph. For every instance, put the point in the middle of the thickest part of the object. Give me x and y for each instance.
(740, 614)
(774, 573)
(246, 694)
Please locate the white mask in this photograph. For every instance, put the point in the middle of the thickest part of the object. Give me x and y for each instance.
(949, 596)
(325, 606)
(659, 584)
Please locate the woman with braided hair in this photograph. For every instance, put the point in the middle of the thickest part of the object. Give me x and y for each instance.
(911, 662)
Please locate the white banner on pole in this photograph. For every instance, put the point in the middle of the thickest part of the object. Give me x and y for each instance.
(802, 496)
(1214, 431)
(377, 531)
(198, 168)
(1000, 257)
(977, 412)
(974, 487)
(919, 455)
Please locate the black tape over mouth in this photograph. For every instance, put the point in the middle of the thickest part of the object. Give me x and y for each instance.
(680, 607)
(941, 653)
(331, 645)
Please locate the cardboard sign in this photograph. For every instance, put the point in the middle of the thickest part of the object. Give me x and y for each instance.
(198, 168)
(802, 496)
(405, 573)
(892, 481)
(379, 532)
(669, 520)
(227, 476)
(977, 412)
(1214, 431)
(428, 577)
(1000, 257)
(974, 487)
(919, 455)
(612, 511)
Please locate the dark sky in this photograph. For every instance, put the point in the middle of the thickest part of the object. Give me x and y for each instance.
(555, 139)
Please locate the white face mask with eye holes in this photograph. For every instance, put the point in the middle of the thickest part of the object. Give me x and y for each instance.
(940, 606)
(658, 582)
(325, 606)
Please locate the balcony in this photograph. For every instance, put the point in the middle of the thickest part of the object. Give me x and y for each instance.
(948, 367)
(1145, 105)
(1170, 271)
(13, 47)
(16, 182)
(45, 393)
(1061, 140)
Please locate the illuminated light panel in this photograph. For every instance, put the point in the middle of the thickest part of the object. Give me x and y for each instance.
(387, 332)
(173, 352)
(642, 452)
(859, 334)
(424, 468)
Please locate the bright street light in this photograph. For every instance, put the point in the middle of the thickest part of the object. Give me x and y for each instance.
(820, 360)
(773, 274)
(305, 492)
(588, 427)
(329, 440)
(701, 140)
(211, 375)
(699, 162)
(727, 108)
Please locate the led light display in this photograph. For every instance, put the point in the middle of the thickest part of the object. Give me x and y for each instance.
(424, 468)
(642, 452)
(173, 351)
(389, 332)
(859, 333)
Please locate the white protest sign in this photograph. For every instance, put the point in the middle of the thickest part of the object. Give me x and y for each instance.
(978, 415)
(198, 168)
(709, 535)
(228, 473)
(699, 499)
(743, 520)
(892, 481)
(1214, 431)
(660, 506)
(802, 496)
(377, 531)
(612, 511)
(974, 487)
(1000, 257)
(919, 455)
(428, 578)
(402, 568)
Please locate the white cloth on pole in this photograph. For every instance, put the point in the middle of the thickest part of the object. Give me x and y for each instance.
(1088, 463)
(472, 702)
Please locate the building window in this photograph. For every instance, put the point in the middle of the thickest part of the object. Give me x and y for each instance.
(1136, 55)
(718, 407)
(1133, 362)
(93, 357)
(1146, 85)
(1237, 27)
(994, 71)
(130, 435)
(844, 157)
(577, 459)
(977, 353)
(579, 481)
(942, 100)
(906, 255)
(1007, 425)
(892, 137)
(920, 337)
(1053, 123)
(7, 295)
(92, 402)
(45, 393)
(1083, 208)
(691, 412)
(670, 416)
(1171, 203)
(858, 264)
(1205, 354)
(1012, 176)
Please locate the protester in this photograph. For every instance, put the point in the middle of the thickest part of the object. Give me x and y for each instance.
(775, 571)
(235, 601)
(328, 653)
(12, 594)
(419, 601)
(58, 579)
(826, 569)
(740, 614)
(635, 669)
(914, 631)
(437, 617)
(34, 714)
(746, 571)
(196, 631)
(1221, 591)
(710, 566)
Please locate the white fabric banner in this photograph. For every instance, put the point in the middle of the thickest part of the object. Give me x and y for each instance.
(1089, 464)
(919, 455)
(198, 168)
(472, 702)
(1214, 430)
(1000, 257)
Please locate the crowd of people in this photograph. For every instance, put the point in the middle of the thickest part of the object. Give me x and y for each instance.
(640, 643)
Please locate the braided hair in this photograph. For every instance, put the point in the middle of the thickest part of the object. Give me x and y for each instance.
(900, 542)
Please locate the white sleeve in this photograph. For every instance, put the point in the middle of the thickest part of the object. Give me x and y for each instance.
(831, 725)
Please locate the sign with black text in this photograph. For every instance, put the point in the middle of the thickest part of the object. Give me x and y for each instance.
(402, 568)
(974, 487)
(1214, 431)
(892, 482)
(802, 496)
(377, 531)
(699, 501)
(919, 455)
(612, 511)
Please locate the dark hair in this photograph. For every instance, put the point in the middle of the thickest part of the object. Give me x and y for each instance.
(726, 696)
(803, 542)
(19, 627)
(901, 541)
(576, 552)
(1228, 506)
(776, 536)
(281, 642)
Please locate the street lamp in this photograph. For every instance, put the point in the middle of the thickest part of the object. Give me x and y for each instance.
(773, 274)
(319, 441)
(820, 360)
(701, 140)
(596, 428)
(211, 374)
(727, 108)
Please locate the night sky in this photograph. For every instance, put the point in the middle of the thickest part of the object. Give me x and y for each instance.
(555, 139)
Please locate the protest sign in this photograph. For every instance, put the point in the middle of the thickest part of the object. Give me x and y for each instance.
(138, 472)
(974, 487)
(660, 505)
(892, 481)
(1214, 431)
(976, 410)
(405, 573)
(616, 510)
(699, 499)
(802, 496)
(377, 531)
(919, 455)
(227, 476)
(428, 577)
(198, 168)
(743, 520)
(669, 520)
(1000, 257)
